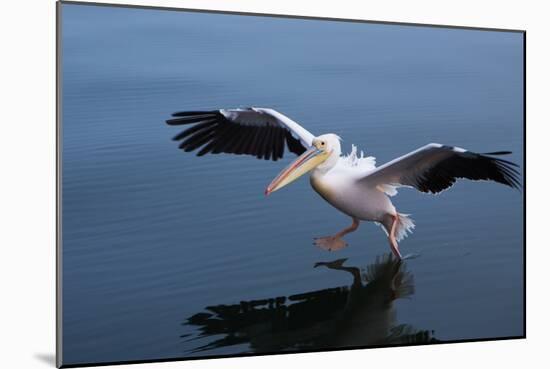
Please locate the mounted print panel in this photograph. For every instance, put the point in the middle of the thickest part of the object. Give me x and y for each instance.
(238, 184)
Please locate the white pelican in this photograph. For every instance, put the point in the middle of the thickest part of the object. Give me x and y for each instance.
(352, 184)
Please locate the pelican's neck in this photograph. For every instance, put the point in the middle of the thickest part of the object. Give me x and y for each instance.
(328, 164)
(319, 172)
(320, 183)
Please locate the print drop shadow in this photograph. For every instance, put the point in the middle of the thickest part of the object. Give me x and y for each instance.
(362, 314)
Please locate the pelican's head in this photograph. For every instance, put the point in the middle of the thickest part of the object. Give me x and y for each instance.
(323, 154)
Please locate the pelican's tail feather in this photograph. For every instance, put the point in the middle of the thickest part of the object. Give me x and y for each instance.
(405, 226)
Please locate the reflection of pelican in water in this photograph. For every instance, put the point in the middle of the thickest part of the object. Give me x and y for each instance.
(359, 315)
(352, 184)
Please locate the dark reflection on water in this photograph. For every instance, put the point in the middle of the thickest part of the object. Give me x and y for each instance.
(361, 314)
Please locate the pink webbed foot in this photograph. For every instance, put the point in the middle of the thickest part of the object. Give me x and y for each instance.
(330, 243)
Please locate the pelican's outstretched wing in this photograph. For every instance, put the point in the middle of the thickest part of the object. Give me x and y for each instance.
(259, 132)
(435, 167)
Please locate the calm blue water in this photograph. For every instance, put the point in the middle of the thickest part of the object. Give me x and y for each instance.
(165, 253)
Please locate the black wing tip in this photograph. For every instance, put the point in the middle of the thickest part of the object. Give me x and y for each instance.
(188, 117)
(510, 176)
(496, 153)
(173, 122)
(507, 173)
(193, 113)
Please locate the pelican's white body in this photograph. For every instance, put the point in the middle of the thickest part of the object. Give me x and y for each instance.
(341, 188)
(339, 181)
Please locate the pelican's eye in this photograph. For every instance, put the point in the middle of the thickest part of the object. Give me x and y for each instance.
(322, 143)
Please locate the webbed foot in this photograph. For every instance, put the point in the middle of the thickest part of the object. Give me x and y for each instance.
(330, 243)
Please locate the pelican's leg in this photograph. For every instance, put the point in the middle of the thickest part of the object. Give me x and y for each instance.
(333, 243)
(391, 237)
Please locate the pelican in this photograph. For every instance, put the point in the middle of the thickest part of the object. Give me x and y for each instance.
(351, 183)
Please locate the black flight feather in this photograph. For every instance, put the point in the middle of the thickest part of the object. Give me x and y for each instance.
(212, 132)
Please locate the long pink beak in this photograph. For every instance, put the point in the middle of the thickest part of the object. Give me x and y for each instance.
(303, 164)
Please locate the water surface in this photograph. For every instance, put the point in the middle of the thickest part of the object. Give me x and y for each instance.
(168, 255)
